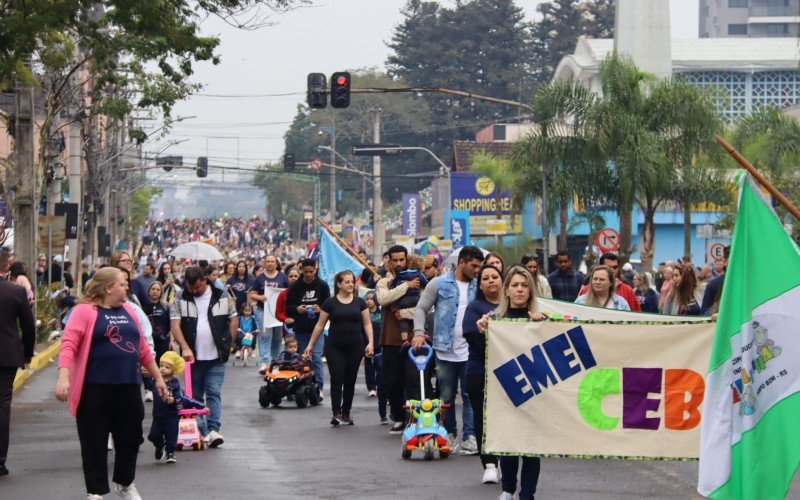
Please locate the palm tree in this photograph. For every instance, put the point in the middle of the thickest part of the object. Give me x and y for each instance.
(501, 175)
(650, 130)
(557, 154)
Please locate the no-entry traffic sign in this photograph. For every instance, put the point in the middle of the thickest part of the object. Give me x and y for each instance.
(607, 240)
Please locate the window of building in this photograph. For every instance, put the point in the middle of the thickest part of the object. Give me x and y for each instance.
(777, 30)
(737, 3)
(737, 29)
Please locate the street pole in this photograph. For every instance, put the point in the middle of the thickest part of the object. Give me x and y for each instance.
(333, 172)
(25, 206)
(545, 225)
(377, 205)
(75, 195)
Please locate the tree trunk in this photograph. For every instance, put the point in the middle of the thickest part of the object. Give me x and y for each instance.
(687, 229)
(648, 239)
(562, 220)
(625, 225)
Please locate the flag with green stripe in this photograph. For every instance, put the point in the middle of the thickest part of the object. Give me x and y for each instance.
(750, 435)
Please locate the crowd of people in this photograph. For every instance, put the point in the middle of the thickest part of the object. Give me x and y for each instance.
(128, 328)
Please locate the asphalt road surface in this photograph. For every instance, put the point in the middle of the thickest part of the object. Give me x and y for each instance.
(294, 453)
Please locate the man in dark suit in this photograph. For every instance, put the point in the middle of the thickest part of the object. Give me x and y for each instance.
(15, 314)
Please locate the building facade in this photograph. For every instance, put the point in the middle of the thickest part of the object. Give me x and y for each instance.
(749, 18)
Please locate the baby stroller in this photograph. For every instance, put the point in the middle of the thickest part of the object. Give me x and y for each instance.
(424, 431)
(188, 430)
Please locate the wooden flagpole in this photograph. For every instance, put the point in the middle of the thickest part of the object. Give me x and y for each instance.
(741, 160)
(347, 247)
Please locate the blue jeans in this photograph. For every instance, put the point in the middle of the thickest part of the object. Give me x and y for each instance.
(449, 374)
(269, 344)
(207, 378)
(303, 339)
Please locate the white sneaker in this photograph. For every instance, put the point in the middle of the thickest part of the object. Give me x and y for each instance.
(238, 355)
(214, 439)
(148, 396)
(506, 496)
(452, 441)
(128, 492)
(372, 393)
(491, 475)
(110, 445)
(92, 496)
(469, 446)
(263, 370)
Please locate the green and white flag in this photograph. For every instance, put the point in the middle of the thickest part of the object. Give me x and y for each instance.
(750, 435)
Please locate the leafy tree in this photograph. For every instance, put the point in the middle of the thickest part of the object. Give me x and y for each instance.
(561, 23)
(288, 197)
(650, 130)
(770, 140)
(139, 209)
(476, 46)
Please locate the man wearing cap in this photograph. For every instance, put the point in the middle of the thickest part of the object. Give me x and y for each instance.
(55, 270)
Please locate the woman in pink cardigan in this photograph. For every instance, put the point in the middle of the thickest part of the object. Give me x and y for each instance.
(99, 376)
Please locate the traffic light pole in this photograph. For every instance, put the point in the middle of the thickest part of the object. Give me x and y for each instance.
(378, 232)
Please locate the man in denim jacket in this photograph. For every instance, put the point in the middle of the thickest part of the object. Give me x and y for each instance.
(449, 294)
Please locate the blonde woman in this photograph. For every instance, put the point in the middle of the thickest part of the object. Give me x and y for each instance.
(517, 300)
(601, 291)
(99, 376)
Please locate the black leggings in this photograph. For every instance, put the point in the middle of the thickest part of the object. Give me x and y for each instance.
(117, 409)
(476, 395)
(343, 363)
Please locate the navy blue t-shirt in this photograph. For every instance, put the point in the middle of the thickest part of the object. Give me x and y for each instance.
(477, 341)
(240, 287)
(279, 281)
(114, 353)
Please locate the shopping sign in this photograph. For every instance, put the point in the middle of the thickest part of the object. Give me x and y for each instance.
(624, 389)
(607, 240)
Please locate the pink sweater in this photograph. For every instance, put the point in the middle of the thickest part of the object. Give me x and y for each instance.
(76, 342)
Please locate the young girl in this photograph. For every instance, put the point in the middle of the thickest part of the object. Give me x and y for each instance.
(159, 319)
(247, 326)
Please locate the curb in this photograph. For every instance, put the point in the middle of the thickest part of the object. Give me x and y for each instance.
(38, 362)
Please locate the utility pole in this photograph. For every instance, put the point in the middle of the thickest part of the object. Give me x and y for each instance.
(74, 175)
(25, 203)
(378, 233)
(333, 172)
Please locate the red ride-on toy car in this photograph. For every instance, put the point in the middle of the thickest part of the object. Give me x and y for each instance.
(295, 378)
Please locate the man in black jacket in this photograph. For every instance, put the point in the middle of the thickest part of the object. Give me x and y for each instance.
(15, 313)
(203, 322)
(303, 302)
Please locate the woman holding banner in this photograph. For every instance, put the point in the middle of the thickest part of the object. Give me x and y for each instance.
(517, 301)
(487, 298)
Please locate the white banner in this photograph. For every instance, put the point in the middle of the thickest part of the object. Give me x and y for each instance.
(270, 321)
(558, 309)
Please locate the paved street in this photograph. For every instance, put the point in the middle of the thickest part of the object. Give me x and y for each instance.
(287, 452)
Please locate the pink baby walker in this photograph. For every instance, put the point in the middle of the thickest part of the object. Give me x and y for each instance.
(188, 431)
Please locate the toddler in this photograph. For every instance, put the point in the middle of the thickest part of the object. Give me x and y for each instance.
(164, 431)
(247, 326)
(289, 354)
(408, 302)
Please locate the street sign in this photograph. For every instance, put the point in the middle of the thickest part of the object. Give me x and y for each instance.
(308, 215)
(445, 247)
(496, 226)
(607, 240)
(337, 228)
(376, 149)
(52, 232)
(716, 250)
(704, 231)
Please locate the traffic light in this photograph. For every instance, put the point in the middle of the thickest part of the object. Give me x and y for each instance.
(202, 166)
(340, 89)
(315, 93)
(288, 163)
(168, 162)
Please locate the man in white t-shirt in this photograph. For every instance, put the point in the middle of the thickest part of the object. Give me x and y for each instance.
(204, 323)
(449, 294)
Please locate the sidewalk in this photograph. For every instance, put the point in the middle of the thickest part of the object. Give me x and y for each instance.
(39, 361)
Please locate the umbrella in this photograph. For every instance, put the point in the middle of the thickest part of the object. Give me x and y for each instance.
(196, 250)
(452, 259)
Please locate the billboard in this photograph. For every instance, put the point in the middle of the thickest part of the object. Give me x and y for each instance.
(457, 228)
(477, 196)
(411, 214)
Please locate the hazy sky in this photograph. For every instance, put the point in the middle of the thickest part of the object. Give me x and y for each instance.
(260, 67)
